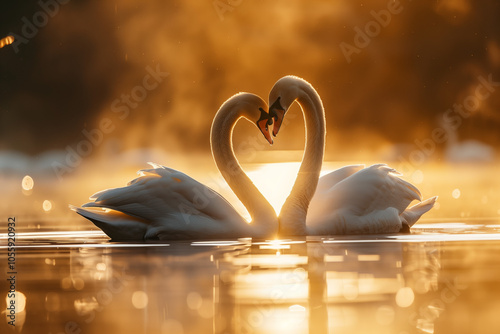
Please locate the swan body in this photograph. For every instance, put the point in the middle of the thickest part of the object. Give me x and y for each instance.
(351, 200)
(369, 200)
(165, 204)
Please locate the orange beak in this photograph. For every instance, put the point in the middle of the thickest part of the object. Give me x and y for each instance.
(279, 114)
(263, 127)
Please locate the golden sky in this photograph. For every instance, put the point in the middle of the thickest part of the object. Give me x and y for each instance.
(387, 71)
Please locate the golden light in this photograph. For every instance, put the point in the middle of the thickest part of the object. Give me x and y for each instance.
(275, 180)
(281, 286)
(405, 297)
(385, 315)
(19, 300)
(27, 183)
(85, 305)
(417, 176)
(206, 309)
(6, 41)
(101, 266)
(456, 193)
(297, 308)
(78, 283)
(172, 326)
(277, 244)
(271, 261)
(66, 283)
(52, 302)
(194, 300)
(369, 257)
(47, 205)
(139, 299)
(350, 286)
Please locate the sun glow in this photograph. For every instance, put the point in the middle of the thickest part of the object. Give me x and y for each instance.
(275, 180)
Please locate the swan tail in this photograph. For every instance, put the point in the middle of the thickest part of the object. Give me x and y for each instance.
(116, 224)
(411, 215)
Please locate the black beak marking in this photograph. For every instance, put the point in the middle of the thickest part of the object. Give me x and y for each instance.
(264, 115)
(276, 106)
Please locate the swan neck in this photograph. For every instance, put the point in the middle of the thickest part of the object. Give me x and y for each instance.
(258, 207)
(294, 211)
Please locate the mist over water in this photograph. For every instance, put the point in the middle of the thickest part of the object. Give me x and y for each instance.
(91, 94)
(386, 71)
(91, 91)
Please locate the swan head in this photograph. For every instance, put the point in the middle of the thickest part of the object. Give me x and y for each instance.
(263, 124)
(284, 92)
(252, 108)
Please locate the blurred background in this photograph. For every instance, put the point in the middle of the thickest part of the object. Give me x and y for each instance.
(92, 91)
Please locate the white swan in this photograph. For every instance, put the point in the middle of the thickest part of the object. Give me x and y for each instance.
(351, 200)
(163, 203)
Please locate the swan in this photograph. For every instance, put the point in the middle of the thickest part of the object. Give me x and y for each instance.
(351, 200)
(166, 204)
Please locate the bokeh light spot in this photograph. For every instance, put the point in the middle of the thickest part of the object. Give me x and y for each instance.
(78, 283)
(27, 183)
(194, 300)
(139, 299)
(66, 283)
(47, 205)
(19, 300)
(405, 297)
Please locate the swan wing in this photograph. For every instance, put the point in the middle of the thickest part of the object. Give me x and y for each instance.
(116, 224)
(370, 189)
(160, 198)
(375, 188)
(371, 200)
(326, 182)
(160, 191)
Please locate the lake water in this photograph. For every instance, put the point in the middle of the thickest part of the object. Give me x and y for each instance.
(442, 278)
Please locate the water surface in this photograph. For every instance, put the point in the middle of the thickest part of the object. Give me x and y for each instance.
(442, 278)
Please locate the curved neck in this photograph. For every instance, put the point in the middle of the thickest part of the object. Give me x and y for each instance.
(262, 213)
(294, 211)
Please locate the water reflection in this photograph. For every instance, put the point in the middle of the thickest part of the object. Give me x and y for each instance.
(420, 283)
